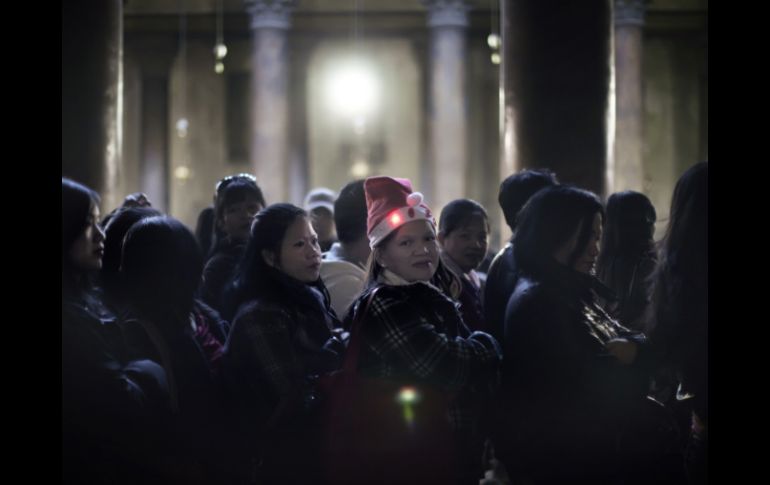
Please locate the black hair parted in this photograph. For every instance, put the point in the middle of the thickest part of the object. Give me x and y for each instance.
(549, 220)
(253, 274)
(76, 203)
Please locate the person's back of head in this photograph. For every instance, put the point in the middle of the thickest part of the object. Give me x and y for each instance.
(630, 224)
(687, 230)
(161, 266)
(548, 221)
(115, 233)
(517, 189)
(350, 213)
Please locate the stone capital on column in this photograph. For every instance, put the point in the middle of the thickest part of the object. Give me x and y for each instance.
(270, 14)
(447, 13)
(629, 12)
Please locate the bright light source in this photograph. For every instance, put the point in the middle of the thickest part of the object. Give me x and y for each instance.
(219, 67)
(220, 51)
(493, 40)
(495, 58)
(360, 169)
(407, 395)
(353, 89)
(182, 173)
(359, 125)
(181, 127)
(395, 219)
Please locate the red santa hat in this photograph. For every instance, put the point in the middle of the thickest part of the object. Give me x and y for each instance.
(391, 203)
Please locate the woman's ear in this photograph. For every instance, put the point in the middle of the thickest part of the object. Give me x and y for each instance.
(377, 254)
(269, 258)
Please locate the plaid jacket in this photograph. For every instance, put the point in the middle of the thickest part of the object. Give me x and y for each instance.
(270, 356)
(415, 332)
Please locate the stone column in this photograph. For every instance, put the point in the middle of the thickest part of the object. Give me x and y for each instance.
(556, 63)
(447, 20)
(269, 95)
(628, 171)
(92, 52)
(508, 161)
(153, 173)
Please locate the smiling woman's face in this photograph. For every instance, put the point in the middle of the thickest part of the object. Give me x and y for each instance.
(412, 253)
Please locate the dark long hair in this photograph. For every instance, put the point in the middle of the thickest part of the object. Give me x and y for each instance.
(114, 234)
(628, 230)
(254, 278)
(679, 306)
(77, 201)
(161, 267)
(549, 220)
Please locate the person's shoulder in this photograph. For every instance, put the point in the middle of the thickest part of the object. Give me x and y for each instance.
(339, 267)
(502, 261)
(263, 312)
(528, 292)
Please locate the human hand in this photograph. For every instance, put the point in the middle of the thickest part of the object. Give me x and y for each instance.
(622, 349)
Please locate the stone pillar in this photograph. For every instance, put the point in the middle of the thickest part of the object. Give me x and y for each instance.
(299, 169)
(153, 173)
(628, 171)
(556, 63)
(447, 20)
(269, 100)
(92, 52)
(508, 161)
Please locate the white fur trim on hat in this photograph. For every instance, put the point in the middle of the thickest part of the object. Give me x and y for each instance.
(398, 217)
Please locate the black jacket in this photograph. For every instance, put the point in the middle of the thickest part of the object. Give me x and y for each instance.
(566, 398)
(501, 281)
(218, 272)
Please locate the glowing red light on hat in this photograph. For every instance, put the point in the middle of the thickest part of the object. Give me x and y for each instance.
(395, 219)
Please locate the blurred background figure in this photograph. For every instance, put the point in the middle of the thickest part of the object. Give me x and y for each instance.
(319, 203)
(628, 258)
(344, 266)
(679, 315)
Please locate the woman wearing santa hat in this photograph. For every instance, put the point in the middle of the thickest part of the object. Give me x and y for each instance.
(411, 330)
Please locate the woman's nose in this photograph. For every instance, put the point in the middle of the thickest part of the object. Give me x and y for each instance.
(315, 250)
(99, 234)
